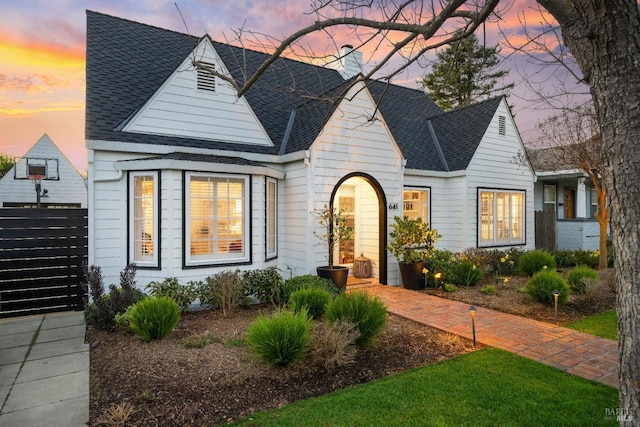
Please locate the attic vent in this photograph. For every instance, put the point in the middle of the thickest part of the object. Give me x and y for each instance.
(206, 80)
(502, 125)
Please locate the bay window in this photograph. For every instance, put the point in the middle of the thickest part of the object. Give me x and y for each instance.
(501, 217)
(216, 219)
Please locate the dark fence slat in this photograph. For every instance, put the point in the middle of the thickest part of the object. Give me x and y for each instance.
(42, 253)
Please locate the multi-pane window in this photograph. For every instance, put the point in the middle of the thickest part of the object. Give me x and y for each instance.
(271, 218)
(143, 218)
(416, 204)
(347, 205)
(594, 202)
(501, 217)
(216, 219)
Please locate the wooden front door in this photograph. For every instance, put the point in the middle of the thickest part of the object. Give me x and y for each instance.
(569, 204)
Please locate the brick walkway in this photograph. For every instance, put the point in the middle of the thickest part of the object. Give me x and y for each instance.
(574, 352)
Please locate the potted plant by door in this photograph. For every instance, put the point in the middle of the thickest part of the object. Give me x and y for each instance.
(334, 229)
(412, 241)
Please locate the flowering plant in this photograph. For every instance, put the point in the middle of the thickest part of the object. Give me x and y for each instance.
(412, 239)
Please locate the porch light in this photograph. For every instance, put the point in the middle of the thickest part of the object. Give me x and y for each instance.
(556, 294)
(472, 311)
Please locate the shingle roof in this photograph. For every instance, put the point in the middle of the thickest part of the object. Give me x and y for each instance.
(204, 158)
(127, 62)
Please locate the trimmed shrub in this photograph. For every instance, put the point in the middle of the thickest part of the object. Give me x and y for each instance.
(305, 282)
(580, 278)
(280, 339)
(466, 273)
(541, 286)
(368, 313)
(225, 290)
(564, 258)
(170, 287)
(154, 318)
(265, 285)
(536, 260)
(314, 300)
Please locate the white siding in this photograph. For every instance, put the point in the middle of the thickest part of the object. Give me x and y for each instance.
(493, 166)
(179, 109)
(70, 188)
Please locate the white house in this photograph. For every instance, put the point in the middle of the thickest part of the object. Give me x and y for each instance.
(186, 179)
(61, 186)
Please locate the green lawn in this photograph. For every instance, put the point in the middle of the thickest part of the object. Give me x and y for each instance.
(601, 324)
(489, 387)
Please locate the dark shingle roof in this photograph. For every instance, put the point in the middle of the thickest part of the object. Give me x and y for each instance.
(204, 158)
(127, 62)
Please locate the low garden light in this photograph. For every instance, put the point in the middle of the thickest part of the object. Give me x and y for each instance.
(556, 294)
(472, 311)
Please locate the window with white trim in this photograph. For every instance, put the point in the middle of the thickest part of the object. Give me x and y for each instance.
(500, 217)
(550, 194)
(143, 218)
(594, 202)
(272, 218)
(415, 203)
(216, 219)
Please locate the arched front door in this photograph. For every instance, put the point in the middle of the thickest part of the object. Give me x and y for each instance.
(363, 201)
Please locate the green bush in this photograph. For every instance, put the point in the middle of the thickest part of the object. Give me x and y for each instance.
(280, 339)
(225, 290)
(265, 285)
(580, 277)
(588, 258)
(314, 300)
(500, 263)
(536, 260)
(449, 287)
(154, 318)
(542, 285)
(170, 287)
(564, 258)
(305, 282)
(466, 273)
(368, 313)
(442, 263)
(102, 311)
(488, 290)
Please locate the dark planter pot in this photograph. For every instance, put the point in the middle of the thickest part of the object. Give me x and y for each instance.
(337, 274)
(412, 277)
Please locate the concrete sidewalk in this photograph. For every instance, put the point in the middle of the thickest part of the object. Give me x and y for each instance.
(44, 371)
(574, 352)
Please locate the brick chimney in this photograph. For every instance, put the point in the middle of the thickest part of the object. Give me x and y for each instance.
(348, 62)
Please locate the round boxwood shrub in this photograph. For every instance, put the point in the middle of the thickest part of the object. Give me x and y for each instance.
(534, 261)
(154, 318)
(368, 313)
(580, 277)
(542, 285)
(280, 339)
(315, 300)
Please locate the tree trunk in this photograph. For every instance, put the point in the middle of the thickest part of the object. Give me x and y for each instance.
(604, 36)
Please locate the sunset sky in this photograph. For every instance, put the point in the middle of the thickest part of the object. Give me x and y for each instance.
(42, 51)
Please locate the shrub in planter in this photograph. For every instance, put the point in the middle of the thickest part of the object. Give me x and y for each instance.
(154, 318)
(542, 285)
(265, 284)
(280, 339)
(536, 260)
(170, 287)
(368, 313)
(314, 300)
(580, 278)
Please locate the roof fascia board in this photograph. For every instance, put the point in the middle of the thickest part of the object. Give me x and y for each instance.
(146, 164)
(435, 174)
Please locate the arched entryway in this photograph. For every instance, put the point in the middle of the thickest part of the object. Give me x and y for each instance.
(364, 201)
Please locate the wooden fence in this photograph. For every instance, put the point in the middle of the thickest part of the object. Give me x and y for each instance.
(546, 230)
(42, 253)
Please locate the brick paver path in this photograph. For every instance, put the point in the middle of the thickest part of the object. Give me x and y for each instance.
(575, 352)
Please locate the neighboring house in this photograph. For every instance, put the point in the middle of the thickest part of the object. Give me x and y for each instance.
(566, 194)
(62, 186)
(185, 179)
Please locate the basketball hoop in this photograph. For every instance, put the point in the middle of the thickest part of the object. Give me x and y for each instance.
(37, 182)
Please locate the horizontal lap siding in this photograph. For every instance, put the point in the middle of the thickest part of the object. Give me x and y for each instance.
(494, 166)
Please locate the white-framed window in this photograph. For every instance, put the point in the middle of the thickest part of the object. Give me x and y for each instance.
(594, 202)
(216, 219)
(144, 218)
(500, 217)
(415, 203)
(346, 198)
(271, 218)
(550, 194)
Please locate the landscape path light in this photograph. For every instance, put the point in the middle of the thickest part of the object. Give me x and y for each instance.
(555, 306)
(472, 311)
